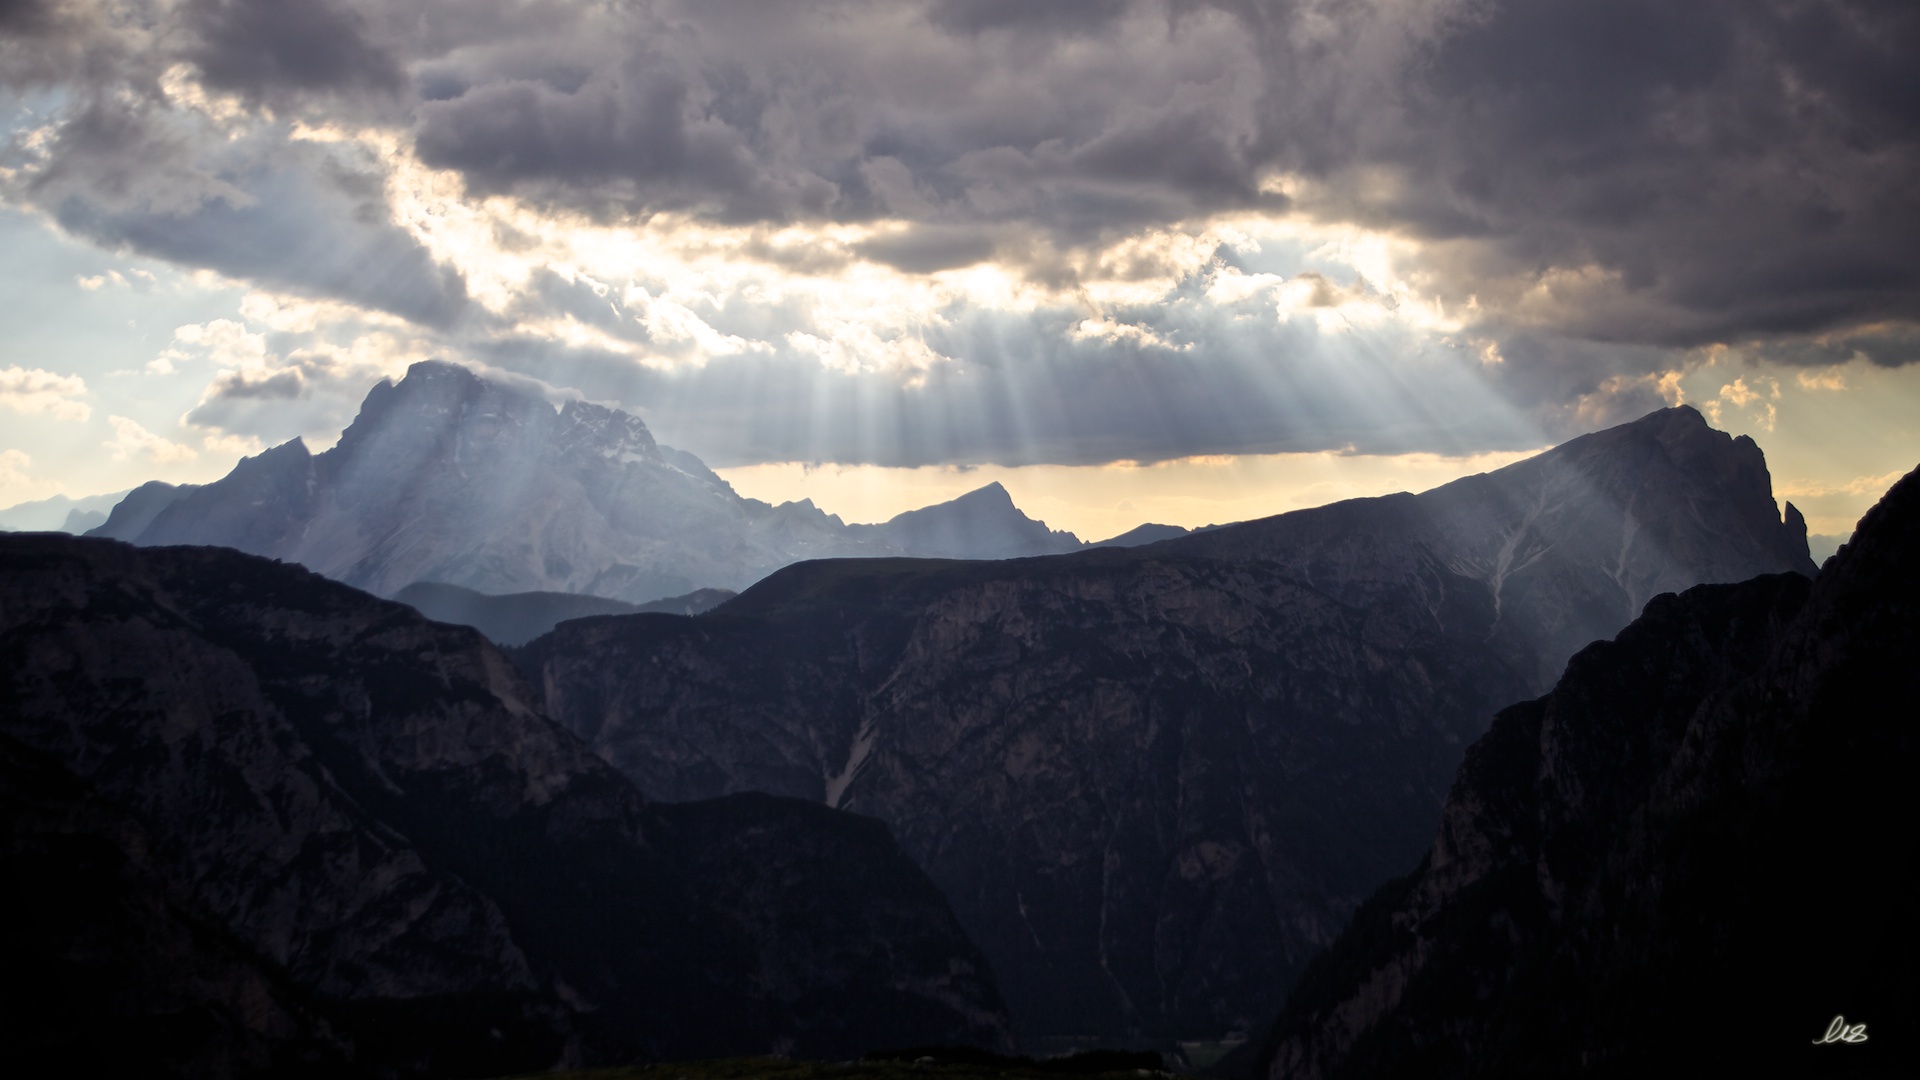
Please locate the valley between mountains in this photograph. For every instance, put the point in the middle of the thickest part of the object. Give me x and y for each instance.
(736, 779)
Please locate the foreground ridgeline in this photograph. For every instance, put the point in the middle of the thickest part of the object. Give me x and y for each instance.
(255, 820)
(447, 477)
(1154, 782)
(1696, 856)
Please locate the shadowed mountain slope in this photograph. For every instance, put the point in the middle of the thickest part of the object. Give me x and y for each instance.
(1154, 781)
(1549, 553)
(1687, 859)
(263, 822)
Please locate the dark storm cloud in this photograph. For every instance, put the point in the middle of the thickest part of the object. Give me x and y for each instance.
(751, 113)
(288, 245)
(278, 385)
(974, 16)
(51, 42)
(286, 219)
(269, 49)
(1730, 167)
(631, 141)
(26, 16)
(925, 249)
(1887, 345)
(1740, 167)
(120, 164)
(1600, 186)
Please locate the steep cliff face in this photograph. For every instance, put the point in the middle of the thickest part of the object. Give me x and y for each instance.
(1693, 854)
(1154, 781)
(446, 477)
(331, 834)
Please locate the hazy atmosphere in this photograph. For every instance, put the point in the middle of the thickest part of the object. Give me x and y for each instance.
(1136, 260)
(960, 539)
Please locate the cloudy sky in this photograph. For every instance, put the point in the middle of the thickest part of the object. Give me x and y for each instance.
(1138, 259)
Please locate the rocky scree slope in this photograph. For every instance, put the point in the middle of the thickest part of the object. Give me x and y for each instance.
(449, 478)
(260, 822)
(1689, 857)
(1154, 782)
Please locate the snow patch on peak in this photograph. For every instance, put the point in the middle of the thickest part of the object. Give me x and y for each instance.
(606, 433)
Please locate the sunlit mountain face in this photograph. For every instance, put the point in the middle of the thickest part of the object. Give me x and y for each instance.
(1138, 260)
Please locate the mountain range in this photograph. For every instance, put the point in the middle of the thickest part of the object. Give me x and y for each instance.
(1697, 855)
(1059, 794)
(260, 823)
(448, 478)
(59, 514)
(1154, 781)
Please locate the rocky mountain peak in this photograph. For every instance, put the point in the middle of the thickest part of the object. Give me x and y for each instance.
(608, 434)
(448, 477)
(983, 523)
(991, 493)
(292, 451)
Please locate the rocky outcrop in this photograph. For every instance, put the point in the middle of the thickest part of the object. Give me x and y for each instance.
(1688, 858)
(271, 823)
(1154, 781)
(449, 478)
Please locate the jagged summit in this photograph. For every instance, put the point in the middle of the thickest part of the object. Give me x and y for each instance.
(609, 433)
(449, 477)
(983, 523)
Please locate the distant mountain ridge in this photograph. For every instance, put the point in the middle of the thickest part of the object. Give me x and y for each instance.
(517, 618)
(1154, 781)
(447, 477)
(1544, 555)
(59, 514)
(982, 524)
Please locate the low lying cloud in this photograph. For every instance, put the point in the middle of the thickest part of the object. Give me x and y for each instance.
(13, 474)
(131, 440)
(31, 390)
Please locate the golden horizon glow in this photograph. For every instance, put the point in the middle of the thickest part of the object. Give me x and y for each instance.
(1096, 502)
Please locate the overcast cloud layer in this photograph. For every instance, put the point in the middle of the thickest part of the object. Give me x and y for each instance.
(1002, 231)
